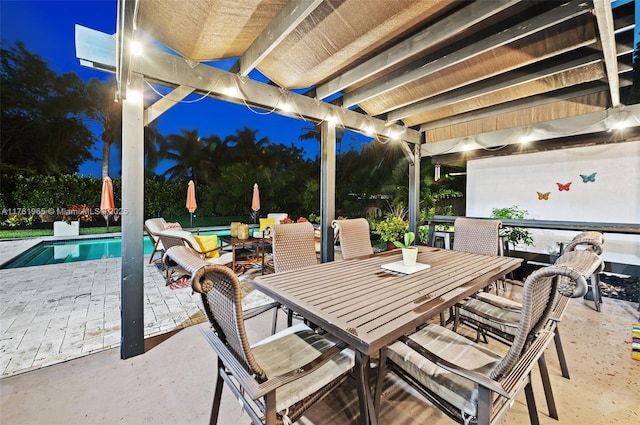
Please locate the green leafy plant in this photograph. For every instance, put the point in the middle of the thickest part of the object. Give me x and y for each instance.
(515, 235)
(409, 237)
(392, 228)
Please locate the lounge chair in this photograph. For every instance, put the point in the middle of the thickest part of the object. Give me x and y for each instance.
(153, 227)
(278, 378)
(171, 238)
(355, 237)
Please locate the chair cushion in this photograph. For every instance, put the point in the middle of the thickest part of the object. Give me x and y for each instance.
(458, 391)
(507, 315)
(207, 243)
(221, 260)
(172, 226)
(155, 225)
(264, 222)
(292, 348)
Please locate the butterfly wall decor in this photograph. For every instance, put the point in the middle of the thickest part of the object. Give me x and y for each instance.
(590, 178)
(562, 187)
(543, 196)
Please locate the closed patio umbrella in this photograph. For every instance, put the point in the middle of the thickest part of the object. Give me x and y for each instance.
(255, 202)
(191, 200)
(107, 205)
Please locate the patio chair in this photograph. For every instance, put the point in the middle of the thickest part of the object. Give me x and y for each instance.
(278, 378)
(469, 382)
(153, 227)
(594, 242)
(171, 238)
(189, 262)
(293, 248)
(492, 315)
(476, 236)
(355, 238)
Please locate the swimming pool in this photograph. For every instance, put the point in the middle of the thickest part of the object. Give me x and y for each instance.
(70, 251)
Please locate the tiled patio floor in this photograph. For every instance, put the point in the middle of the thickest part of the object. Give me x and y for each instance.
(53, 313)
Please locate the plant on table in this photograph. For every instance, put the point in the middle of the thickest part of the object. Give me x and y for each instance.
(409, 237)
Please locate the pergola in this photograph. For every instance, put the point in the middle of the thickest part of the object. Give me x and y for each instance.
(442, 78)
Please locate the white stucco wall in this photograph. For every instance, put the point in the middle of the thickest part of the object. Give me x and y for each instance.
(614, 196)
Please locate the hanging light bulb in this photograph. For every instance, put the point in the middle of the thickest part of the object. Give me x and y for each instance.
(437, 172)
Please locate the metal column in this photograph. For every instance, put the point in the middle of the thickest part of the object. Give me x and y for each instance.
(131, 286)
(327, 188)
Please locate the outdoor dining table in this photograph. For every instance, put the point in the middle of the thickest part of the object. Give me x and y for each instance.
(368, 307)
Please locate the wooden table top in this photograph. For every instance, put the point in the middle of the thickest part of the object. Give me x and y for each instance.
(364, 305)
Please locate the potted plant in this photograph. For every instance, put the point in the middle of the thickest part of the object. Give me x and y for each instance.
(514, 235)
(69, 222)
(391, 229)
(409, 253)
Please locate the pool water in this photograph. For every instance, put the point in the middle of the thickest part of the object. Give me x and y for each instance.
(54, 252)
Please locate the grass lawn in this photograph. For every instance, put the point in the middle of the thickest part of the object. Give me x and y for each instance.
(198, 221)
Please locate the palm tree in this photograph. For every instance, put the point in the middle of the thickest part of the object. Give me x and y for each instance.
(108, 114)
(313, 133)
(190, 153)
(247, 149)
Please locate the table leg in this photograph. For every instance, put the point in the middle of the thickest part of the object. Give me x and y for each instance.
(233, 254)
(365, 399)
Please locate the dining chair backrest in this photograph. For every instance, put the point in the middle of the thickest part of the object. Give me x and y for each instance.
(355, 237)
(477, 236)
(538, 301)
(293, 246)
(222, 299)
(593, 241)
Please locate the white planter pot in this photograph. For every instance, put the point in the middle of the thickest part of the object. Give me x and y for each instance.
(409, 256)
(61, 228)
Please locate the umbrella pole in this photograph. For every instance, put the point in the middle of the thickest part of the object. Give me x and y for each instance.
(107, 217)
(191, 219)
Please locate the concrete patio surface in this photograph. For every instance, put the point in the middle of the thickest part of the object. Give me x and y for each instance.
(61, 363)
(172, 383)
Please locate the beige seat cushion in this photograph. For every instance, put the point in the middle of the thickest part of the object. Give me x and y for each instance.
(294, 347)
(458, 391)
(510, 316)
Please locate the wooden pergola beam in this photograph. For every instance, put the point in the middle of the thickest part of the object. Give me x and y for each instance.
(604, 17)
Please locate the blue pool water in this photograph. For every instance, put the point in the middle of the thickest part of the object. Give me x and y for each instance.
(54, 252)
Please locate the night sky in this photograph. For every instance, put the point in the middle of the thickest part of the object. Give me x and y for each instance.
(47, 29)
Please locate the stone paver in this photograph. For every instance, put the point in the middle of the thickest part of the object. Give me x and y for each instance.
(54, 313)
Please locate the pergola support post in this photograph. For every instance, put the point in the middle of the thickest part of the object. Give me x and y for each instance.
(414, 190)
(327, 189)
(131, 284)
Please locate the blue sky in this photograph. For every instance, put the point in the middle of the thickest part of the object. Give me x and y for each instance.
(47, 28)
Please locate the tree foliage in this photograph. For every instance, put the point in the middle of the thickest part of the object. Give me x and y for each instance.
(42, 116)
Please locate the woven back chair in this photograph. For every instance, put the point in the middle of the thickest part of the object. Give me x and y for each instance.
(477, 236)
(498, 317)
(471, 383)
(355, 237)
(153, 227)
(293, 246)
(594, 242)
(276, 379)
